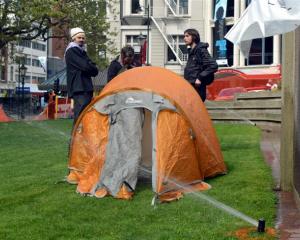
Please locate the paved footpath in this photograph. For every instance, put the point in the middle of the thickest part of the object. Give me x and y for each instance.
(288, 215)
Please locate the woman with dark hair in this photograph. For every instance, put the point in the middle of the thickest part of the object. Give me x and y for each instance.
(194, 33)
(200, 68)
(122, 63)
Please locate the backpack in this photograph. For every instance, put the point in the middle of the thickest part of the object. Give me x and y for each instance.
(211, 77)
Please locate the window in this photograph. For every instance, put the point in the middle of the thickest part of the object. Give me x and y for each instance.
(228, 53)
(229, 4)
(248, 2)
(11, 73)
(261, 51)
(19, 78)
(180, 7)
(41, 79)
(2, 72)
(39, 46)
(28, 61)
(34, 79)
(25, 43)
(133, 41)
(230, 8)
(183, 6)
(27, 79)
(36, 63)
(179, 47)
(135, 6)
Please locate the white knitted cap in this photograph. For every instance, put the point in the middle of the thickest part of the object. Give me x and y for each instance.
(75, 31)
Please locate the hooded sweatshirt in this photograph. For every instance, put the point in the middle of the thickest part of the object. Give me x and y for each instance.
(200, 65)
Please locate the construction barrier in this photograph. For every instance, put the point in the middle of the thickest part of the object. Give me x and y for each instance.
(3, 116)
(60, 107)
(63, 108)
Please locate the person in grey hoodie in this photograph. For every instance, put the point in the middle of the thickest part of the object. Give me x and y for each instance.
(200, 68)
(80, 69)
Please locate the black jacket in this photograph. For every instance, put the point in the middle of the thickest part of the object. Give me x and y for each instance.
(200, 66)
(116, 67)
(80, 69)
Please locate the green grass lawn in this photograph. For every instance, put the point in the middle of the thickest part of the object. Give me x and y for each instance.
(33, 157)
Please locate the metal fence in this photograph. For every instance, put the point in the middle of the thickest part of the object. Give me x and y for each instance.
(18, 108)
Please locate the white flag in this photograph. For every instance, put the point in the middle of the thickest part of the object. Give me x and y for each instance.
(264, 18)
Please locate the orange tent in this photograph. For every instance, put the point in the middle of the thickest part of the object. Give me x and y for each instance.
(3, 116)
(147, 120)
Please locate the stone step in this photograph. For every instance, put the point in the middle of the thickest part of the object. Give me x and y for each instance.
(254, 106)
(252, 115)
(245, 103)
(258, 95)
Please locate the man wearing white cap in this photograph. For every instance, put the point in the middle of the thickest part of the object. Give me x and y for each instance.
(80, 69)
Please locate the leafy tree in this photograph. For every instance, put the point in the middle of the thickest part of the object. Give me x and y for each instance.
(92, 18)
(28, 20)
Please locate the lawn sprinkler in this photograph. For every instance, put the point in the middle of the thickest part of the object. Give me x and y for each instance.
(261, 225)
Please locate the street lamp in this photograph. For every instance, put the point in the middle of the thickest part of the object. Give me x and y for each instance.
(23, 70)
(141, 38)
(19, 58)
(147, 10)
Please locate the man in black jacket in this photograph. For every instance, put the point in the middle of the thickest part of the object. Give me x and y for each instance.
(80, 69)
(122, 63)
(200, 68)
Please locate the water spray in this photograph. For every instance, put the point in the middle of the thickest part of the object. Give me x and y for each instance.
(260, 224)
(245, 119)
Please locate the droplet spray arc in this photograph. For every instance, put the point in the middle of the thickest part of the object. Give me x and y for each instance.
(260, 224)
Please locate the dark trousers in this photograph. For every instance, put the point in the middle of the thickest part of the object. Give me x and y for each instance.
(81, 100)
(201, 90)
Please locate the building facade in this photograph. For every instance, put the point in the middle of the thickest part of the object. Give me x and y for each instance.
(34, 53)
(29, 53)
(167, 21)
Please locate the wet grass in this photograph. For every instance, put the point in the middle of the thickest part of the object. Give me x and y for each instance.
(33, 157)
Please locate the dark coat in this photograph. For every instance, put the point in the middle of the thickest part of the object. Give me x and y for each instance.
(200, 66)
(80, 69)
(116, 67)
(113, 69)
